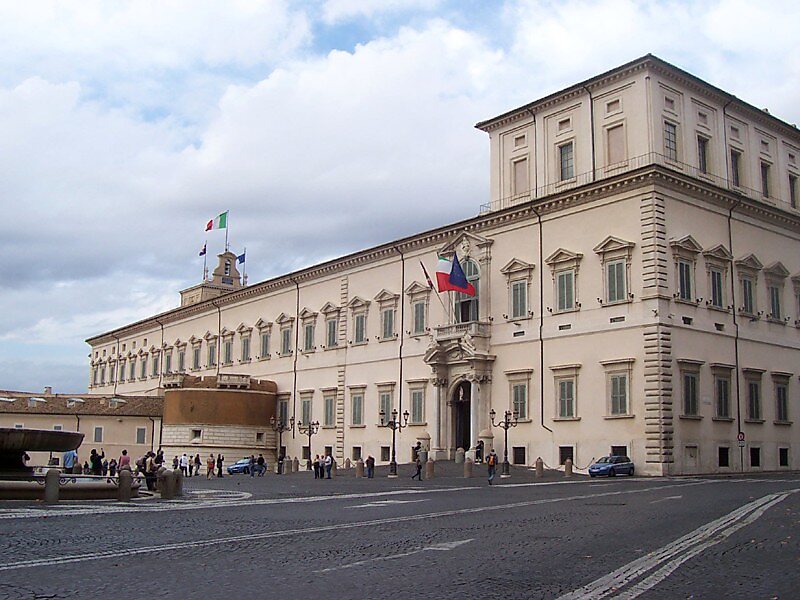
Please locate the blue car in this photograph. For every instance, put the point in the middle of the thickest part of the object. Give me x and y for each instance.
(611, 466)
(240, 466)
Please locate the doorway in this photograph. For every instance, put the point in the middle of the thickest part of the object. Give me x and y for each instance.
(462, 416)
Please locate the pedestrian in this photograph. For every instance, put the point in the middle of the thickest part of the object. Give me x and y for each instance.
(105, 467)
(315, 464)
(159, 459)
(86, 469)
(251, 466)
(479, 451)
(491, 464)
(415, 451)
(328, 465)
(197, 464)
(210, 462)
(112, 467)
(418, 473)
(150, 471)
(220, 460)
(175, 463)
(370, 467)
(96, 461)
(124, 461)
(69, 461)
(262, 466)
(184, 462)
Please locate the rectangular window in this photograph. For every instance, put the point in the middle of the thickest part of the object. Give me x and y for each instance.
(112, 370)
(121, 377)
(774, 301)
(765, 179)
(385, 406)
(717, 288)
(419, 317)
(141, 435)
(616, 144)
(332, 333)
(98, 434)
(702, 154)
(182, 360)
(103, 375)
(793, 191)
(305, 411)
(283, 412)
(520, 168)
(330, 406)
(286, 341)
(385, 453)
(212, 354)
(264, 345)
(690, 393)
(246, 349)
(748, 303)
(566, 398)
(619, 394)
(227, 351)
(754, 400)
(417, 406)
(564, 453)
(723, 456)
(781, 402)
(670, 140)
(783, 457)
(519, 392)
(736, 161)
(565, 288)
(143, 369)
(518, 455)
(361, 328)
(155, 365)
(132, 369)
(356, 453)
(387, 316)
(196, 357)
(615, 281)
(519, 299)
(685, 280)
(755, 457)
(567, 161)
(308, 337)
(722, 393)
(357, 402)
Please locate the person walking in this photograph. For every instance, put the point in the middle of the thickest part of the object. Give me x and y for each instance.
(210, 462)
(370, 467)
(328, 465)
(418, 464)
(261, 464)
(491, 465)
(69, 461)
(315, 464)
(197, 464)
(184, 463)
(175, 463)
(220, 460)
(150, 471)
(251, 466)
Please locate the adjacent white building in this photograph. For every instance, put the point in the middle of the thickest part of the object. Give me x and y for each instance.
(638, 278)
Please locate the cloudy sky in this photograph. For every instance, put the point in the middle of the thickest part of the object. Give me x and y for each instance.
(324, 127)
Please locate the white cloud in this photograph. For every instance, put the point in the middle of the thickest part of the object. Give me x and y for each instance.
(336, 11)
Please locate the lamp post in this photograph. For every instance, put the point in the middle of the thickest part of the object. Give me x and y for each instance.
(509, 421)
(279, 426)
(395, 425)
(308, 429)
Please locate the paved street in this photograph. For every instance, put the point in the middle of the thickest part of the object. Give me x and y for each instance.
(292, 536)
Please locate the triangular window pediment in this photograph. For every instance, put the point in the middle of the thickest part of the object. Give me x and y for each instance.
(307, 314)
(329, 309)
(262, 324)
(385, 296)
(194, 340)
(283, 318)
(516, 265)
(357, 302)
(466, 244)
(686, 244)
(776, 269)
(208, 336)
(749, 262)
(613, 245)
(719, 252)
(242, 328)
(178, 342)
(416, 288)
(562, 256)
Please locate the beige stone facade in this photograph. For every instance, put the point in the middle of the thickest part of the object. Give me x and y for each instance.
(638, 278)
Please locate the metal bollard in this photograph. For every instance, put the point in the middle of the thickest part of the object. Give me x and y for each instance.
(429, 469)
(568, 468)
(51, 491)
(468, 468)
(359, 468)
(125, 483)
(178, 475)
(539, 468)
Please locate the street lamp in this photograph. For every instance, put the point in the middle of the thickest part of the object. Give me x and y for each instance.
(279, 426)
(506, 424)
(395, 425)
(309, 429)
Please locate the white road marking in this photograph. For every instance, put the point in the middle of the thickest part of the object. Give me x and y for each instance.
(386, 503)
(75, 558)
(665, 499)
(668, 558)
(442, 546)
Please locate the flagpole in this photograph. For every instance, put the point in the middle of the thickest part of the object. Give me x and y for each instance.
(205, 258)
(244, 267)
(227, 218)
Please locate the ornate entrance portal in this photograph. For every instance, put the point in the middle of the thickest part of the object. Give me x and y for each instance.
(462, 417)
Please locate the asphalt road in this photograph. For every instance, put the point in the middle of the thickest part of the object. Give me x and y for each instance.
(293, 537)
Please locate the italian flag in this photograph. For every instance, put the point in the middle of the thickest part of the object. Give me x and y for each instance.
(218, 222)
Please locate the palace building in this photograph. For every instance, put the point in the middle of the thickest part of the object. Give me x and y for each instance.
(637, 276)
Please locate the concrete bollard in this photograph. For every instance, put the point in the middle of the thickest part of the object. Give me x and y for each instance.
(51, 491)
(334, 468)
(539, 468)
(296, 465)
(467, 469)
(287, 466)
(165, 484)
(429, 469)
(160, 476)
(568, 468)
(460, 456)
(125, 483)
(347, 463)
(423, 456)
(178, 475)
(359, 468)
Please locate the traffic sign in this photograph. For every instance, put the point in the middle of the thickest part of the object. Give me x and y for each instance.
(741, 443)
(741, 436)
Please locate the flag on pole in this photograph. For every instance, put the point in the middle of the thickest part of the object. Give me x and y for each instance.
(240, 258)
(218, 222)
(450, 277)
(427, 277)
(203, 250)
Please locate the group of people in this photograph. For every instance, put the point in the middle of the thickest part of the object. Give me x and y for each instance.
(97, 464)
(322, 465)
(191, 465)
(257, 465)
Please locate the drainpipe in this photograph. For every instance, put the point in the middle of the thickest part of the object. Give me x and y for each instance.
(153, 434)
(541, 323)
(160, 353)
(402, 321)
(296, 350)
(591, 124)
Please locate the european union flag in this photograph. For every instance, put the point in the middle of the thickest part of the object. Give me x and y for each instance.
(240, 258)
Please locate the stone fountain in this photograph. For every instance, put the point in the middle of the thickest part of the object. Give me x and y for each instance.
(14, 443)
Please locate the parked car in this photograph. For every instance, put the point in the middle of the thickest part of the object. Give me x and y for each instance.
(611, 466)
(240, 466)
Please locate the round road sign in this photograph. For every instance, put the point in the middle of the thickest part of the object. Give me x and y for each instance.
(741, 436)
